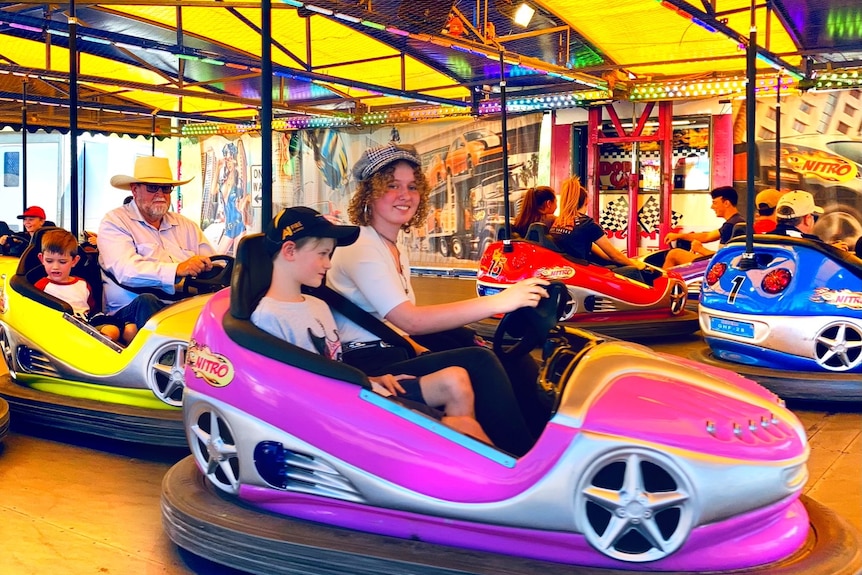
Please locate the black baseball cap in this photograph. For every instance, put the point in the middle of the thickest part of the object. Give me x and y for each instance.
(302, 222)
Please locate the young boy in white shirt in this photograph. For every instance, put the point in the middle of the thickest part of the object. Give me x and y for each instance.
(58, 256)
(301, 241)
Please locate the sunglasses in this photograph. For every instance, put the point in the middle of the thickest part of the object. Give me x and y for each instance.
(155, 188)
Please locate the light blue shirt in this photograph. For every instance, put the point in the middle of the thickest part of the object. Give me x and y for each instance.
(140, 255)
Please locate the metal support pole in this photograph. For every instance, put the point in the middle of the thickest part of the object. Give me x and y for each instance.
(747, 261)
(73, 119)
(593, 184)
(507, 241)
(778, 133)
(665, 123)
(266, 111)
(23, 174)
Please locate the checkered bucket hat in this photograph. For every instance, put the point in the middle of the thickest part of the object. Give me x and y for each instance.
(375, 159)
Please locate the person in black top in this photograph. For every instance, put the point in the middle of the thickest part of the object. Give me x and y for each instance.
(797, 213)
(724, 201)
(539, 205)
(579, 236)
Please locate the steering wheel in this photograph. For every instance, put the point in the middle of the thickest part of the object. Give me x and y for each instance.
(211, 280)
(530, 326)
(15, 245)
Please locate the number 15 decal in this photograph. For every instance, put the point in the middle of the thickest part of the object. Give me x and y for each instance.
(737, 284)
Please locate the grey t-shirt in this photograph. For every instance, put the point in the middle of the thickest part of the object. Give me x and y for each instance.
(308, 324)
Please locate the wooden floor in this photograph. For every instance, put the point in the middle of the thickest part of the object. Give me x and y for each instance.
(71, 505)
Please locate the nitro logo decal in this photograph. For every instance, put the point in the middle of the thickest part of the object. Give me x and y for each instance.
(556, 272)
(213, 368)
(838, 298)
(820, 165)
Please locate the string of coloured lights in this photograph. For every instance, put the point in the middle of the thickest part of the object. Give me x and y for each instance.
(708, 88)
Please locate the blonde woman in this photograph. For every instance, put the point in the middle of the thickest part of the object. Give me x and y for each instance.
(579, 236)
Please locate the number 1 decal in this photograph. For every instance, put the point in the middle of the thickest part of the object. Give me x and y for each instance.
(737, 284)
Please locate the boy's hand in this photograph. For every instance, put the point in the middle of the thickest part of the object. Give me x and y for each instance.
(389, 382)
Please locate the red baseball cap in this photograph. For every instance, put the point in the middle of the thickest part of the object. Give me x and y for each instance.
(33, 212)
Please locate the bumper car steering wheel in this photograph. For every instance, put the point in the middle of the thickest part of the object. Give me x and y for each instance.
(211, 280)
(529, 326)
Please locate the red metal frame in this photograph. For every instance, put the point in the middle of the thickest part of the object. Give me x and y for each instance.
(663, 135)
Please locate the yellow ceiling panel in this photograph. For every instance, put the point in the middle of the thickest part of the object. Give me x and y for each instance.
(331, 43)
(219, 26)
(30, 54)
(166, 102)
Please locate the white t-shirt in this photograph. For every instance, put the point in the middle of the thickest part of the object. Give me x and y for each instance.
(365, 273)
(76, 294)
(308, 324)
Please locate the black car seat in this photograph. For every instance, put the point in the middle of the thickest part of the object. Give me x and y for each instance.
(538, 234)
(30, 270)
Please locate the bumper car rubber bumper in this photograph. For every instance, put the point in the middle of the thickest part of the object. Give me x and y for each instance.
(210, 524)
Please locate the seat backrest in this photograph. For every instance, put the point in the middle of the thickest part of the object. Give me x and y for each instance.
(845, 259)
(538, 234)
(252, 273)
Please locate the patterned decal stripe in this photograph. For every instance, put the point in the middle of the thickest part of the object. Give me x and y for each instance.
(839, 298)
(213, 368)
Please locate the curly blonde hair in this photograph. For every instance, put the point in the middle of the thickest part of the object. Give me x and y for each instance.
(370, 189)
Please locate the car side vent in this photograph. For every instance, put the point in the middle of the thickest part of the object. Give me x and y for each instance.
(301, 473)
(35, 362)
(599, 304)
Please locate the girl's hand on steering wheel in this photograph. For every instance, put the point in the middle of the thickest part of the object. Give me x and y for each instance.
(525, 293)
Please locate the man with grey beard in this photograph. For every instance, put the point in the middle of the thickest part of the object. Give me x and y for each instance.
(143, 244)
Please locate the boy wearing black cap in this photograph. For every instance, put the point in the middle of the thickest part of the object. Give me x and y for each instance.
(301, 241)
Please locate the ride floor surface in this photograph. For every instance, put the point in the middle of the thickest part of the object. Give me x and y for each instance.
(74, 505)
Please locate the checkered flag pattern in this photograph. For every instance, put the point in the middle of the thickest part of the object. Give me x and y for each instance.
(615, 216)
(649, 216)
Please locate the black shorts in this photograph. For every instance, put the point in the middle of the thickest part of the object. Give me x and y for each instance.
(412, 398)
(412, 390)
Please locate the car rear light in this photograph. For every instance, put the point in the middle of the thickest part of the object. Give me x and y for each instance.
(715, 272)
(776, 281)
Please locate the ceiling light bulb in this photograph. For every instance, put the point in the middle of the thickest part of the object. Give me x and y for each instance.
(523, 15)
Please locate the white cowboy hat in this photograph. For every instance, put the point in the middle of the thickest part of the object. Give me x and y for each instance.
(149, 170)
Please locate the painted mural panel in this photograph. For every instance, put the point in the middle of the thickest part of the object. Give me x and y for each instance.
(820, 152)
(462, 161)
